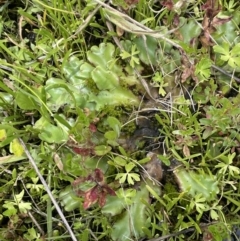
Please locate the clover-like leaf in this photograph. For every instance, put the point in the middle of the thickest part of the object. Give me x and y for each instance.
(236, 50)
(127, 195)
(122, 177)
(18, 197)
(119, 161)
(11, 210)
(203, 68)
(24, 207)
(132, 177)
(129, 166)
(234, 62)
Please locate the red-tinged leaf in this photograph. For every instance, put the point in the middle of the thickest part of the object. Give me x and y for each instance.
(219, 21)
(103, 195)
(86, 205)
(206, 38)
(206, 5)
(212, 8)
(83, 151)
(131, 2)
(102, 199)
(93, 194)
(207, 236)
(91, 197)
(210, 21)
(98, 176)
(92, 128)
(109, 190)
(78, 181)
(176, 20)
(169, 4)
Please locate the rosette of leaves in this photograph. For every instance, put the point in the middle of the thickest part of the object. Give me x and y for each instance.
(93, 189)
(94, 84)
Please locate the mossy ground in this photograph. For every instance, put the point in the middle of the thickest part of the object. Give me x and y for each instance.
(76, 102)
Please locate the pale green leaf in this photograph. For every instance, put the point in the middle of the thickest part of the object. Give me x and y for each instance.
(129, 166)
(16, 148)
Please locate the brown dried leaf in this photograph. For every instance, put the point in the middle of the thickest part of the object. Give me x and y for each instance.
(207, 236)
(98, 176)
(217, 21)
(186, 151)
(212, 8)
(83, 151)
(153, 168)
(187, 72)
(119, 31)
(210, 21)
(58, 161)
(169, 4)
(131, 2)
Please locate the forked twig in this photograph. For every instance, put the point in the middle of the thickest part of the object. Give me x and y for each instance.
(226, 73)
(31, 160)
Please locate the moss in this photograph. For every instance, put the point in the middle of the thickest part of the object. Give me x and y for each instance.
(129, 128)
(170, 188)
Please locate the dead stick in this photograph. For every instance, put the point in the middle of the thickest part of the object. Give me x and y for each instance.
(31, 160)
